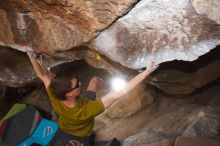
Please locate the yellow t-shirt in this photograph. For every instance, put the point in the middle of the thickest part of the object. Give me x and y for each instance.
(78, 120)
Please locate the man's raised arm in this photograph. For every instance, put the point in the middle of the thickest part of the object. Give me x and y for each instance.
(112, 96)
(40, 70)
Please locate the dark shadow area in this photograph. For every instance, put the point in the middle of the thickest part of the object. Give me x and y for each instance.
(195, 77)
(15, 68)
(123, 69)
(81, 70)
(8, 56)
(11, 96)
(197, 91)
(189, 67)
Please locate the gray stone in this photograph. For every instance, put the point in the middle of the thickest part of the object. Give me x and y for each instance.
(162, 30)
(207, 124)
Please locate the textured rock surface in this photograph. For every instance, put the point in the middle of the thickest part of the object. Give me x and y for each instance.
(184, 141)
(183, 77)
(132, 31)
(215, 101)
(39, 99)
(167, 117)
(56, 25)
(172, 124)
(16, 69)
(131, 102)
(167, 30)
(207, 124)
(105, 126)
(171, 30)
(179, 82)
(19, 72)
(208, 9)
(180, 30)
(165, 142)
(159, 129)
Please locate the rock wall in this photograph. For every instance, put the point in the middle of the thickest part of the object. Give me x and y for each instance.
(184, 78)
(178, 99)
(133, 30)
(128, 32)
(164, 30)
(56, 25)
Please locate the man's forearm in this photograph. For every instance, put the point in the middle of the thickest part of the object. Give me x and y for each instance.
(37, 67)
(112, 96)
(48, 72)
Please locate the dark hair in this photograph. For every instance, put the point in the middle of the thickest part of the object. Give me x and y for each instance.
(60, 85)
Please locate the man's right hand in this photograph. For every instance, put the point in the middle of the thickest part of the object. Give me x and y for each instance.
(151, 67)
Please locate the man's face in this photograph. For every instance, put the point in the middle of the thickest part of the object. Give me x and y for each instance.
(75, 87)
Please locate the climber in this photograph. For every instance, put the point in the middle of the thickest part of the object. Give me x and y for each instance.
(76, 115)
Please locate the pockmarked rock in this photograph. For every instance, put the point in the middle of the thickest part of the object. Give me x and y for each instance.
(56, 25)
(159, 30)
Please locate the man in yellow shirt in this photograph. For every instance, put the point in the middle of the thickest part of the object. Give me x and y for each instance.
(76, 115)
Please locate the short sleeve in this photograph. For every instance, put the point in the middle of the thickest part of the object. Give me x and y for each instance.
(94, 108)
(50, 93)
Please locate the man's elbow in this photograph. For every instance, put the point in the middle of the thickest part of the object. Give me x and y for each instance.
(109, 99)
(43, 77)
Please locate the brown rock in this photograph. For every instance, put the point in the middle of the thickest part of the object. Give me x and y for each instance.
(179, 82)
(39, 99)
(186, 120)
(166, 125)
(56, 25)
(206, 123)
(186, 141)
(179, 77)
(106, 128)
(165, 142)
(16, 69)
(165, 118)
(3, 90)
(98, 60)
(132, 102)
(215, 101)
(20, 72)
